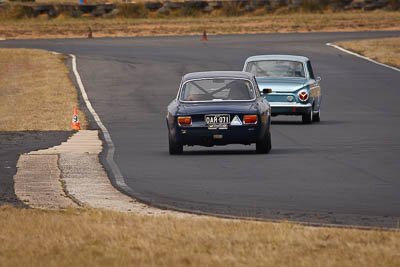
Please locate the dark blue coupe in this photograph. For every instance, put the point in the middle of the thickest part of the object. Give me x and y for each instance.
(219, 108)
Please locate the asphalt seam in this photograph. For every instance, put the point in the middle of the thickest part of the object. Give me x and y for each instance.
(363, 57)
(64, 185)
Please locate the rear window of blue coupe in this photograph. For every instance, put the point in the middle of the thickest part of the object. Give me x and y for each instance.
(276, 68)
(217, 90)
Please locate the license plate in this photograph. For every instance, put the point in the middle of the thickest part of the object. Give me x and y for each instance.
(217, 121)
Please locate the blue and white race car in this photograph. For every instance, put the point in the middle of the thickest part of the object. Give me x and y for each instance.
(295, 89)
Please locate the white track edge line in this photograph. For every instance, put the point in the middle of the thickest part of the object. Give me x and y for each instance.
(120, 181)
(363, 57)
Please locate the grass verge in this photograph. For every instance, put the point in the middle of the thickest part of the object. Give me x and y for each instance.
(385, 50)
(104, 238)
(65, 27)
(35, 91)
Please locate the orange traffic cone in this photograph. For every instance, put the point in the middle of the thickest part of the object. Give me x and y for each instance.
(204, 38)
(75, 121)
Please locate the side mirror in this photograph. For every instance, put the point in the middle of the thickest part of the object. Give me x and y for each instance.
(318, 79)
(267, 91)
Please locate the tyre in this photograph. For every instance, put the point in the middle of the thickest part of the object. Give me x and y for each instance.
(317, 116)
(264, 146)
(175, 148)
(153, 6)
(308, 117)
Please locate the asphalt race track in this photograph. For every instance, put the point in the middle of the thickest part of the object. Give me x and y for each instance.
(343, 170)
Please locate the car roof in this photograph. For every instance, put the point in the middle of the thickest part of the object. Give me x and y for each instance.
(277, 57)
(217, 74)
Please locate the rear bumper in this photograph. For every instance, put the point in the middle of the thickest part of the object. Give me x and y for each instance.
(204, 137)
(289, 108)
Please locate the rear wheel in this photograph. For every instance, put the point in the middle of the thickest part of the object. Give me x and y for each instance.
(175, 148)
(308, 117)
(317, 116)
(264, 145)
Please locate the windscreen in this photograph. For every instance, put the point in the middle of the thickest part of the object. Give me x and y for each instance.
(217, 90)
(276, 68)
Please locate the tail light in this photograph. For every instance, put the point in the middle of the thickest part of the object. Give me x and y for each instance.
(303, 96)
(185, 120)
(250, 119)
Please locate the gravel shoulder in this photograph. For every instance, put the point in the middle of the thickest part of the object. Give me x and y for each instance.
(12, 144)
(70, 175)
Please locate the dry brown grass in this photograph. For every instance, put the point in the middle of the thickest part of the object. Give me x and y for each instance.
(35, 91)
(104, 238)
(92, 2)
(64, 27)
(385, 50)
